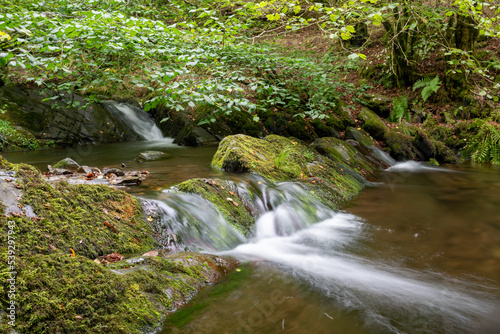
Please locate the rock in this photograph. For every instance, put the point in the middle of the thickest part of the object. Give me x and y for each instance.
(116, 171)
(400, 145)
(372, 124)
(52, 120)
(84, 170)
(359, 135)
(380, 104)
(195, 136)
(152, 156)
(68, 164)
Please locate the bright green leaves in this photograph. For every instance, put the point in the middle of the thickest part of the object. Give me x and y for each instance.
(5, 57)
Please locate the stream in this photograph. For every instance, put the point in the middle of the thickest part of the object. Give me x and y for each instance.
(417, 252)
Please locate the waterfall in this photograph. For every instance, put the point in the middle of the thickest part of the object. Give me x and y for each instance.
(136, 118)
(318, 246)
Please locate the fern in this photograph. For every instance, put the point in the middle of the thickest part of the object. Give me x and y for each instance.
(429, 86)
(485, 146)
(399, 110)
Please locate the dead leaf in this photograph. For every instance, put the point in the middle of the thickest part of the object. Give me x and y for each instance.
(97, 261)
(151, 253)
(231, 193)
(78, 316)
(52, 247)
(111, 227)
(72, 252)
(229, 199)
(113, 257)
(235, 204)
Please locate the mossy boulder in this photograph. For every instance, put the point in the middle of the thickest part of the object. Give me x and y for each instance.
(225, 195)
(360, 136)
(67, 163)
(418, 146)
(400, 145)
(60, 288)
(380, 104)
(372, 123)
(283, 159)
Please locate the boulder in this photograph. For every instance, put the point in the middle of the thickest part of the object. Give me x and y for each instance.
(380, 104)
(359, 135)
(67, 163)
(48, 117)
(152, 156)
(372, 124)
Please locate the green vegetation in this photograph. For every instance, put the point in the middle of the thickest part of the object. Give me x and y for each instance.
(295, 68)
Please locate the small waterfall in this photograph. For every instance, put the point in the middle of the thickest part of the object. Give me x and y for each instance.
(136, 118)
(318, 246)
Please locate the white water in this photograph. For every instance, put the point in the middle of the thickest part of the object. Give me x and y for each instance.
(383, 294)
(414, 166)
(320, 247)
(138, 119)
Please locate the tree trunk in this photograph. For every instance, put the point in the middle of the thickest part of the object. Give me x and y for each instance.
(402, 41)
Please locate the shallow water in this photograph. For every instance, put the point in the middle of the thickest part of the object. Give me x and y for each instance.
(417, 253)
(188, 162)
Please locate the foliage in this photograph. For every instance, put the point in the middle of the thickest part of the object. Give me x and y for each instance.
(485, 145)
(429, 86)
(10, 136)
(399, 110)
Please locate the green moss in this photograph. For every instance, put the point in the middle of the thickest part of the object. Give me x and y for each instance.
(217, 192)
(93, 220)
(372, 123)
(15, 138)
(282, 159)
(400, 145)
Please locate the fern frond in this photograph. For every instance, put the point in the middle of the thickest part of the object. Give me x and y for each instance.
(421, 83)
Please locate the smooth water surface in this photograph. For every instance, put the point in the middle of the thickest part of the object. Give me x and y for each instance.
(188, 162)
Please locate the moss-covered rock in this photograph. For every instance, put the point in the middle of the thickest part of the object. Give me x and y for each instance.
(59, 286)
(276, 158)
(400, 145)
(360, 136)
(225, 195)
(417, 145)
(380, 104)
(372, 124)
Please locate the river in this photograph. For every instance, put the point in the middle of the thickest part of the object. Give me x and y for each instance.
(418, 252)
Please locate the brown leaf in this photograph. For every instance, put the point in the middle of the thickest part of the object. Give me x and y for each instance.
(113, 257)
(231, 193)
(151, 253)
(235, 204)
(111, 227)
(97, 261)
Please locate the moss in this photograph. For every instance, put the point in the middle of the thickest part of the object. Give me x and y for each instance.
(59, 286)
(400, 145)
(15, 138)
(360, 136)
(60, 293)
(217, 192)
(372, 123)
(93, 220)
(282, 159)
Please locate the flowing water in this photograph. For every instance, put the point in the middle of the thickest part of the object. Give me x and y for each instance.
(419, 252)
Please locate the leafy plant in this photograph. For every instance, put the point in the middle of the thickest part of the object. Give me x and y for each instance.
(485, 145)
(399, 110)
(279, 161)
(429, 86)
